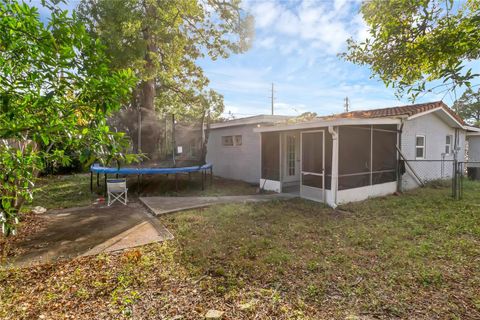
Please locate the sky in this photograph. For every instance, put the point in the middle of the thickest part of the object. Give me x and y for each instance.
(296, 48)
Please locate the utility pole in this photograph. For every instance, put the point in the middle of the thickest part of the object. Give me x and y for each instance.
(346, 104)
(272, 97)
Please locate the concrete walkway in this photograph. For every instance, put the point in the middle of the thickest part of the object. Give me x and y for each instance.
(90, 230)
(164, 205)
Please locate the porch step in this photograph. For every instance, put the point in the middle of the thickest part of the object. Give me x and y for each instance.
(295, 189)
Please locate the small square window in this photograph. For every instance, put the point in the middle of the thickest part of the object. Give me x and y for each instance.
(420, 141)
(419, 154)
(420, 147)
(238, 140)
(448, 144)
(227, 141)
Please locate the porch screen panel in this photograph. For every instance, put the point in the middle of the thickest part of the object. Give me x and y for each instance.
(271, 156)
(312, 158)
(354, 164)
(384, 154)
(328, 159)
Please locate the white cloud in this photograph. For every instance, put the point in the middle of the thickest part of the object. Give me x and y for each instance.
(325, 26)
(284, 108)
(265, 13)
(267, 42)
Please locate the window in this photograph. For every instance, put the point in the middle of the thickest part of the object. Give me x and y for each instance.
(448, 144)
(230, 141)
(419, 147)
(227, 140)
(238, 140)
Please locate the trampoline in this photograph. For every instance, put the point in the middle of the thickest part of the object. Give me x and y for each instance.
(96, 168)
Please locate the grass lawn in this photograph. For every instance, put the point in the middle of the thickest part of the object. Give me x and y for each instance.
(414, 256)
(64, 191)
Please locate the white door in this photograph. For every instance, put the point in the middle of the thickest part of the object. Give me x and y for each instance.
(292, 157)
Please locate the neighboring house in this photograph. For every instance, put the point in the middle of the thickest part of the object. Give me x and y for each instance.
(353, 156)
(234, 148)
(473, 147)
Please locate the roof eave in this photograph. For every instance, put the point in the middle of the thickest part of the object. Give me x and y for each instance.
(447, 117)
(326, 123)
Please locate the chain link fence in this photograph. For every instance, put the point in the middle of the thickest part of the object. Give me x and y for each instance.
(416, 173)
(465, 170)
(443, 173)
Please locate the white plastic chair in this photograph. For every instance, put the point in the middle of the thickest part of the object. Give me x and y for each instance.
(117, 191)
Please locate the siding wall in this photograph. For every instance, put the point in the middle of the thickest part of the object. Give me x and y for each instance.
(474, 150)
(435, 131)
(235, 162)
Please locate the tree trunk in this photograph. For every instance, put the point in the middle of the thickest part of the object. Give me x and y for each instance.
(150, 127)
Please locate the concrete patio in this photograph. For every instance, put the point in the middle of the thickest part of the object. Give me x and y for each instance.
(69, 233)
(90, 230)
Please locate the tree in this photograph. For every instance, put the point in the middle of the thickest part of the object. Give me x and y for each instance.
(162, 40)
(56, 90)
(415, 42)
(468, 106)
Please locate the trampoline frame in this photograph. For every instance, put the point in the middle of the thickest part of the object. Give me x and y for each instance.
(96, 168)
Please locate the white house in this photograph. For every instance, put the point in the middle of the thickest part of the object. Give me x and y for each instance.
(234, 148)
(355, 155)
(473, 147)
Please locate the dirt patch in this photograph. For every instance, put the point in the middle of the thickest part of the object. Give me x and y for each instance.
(30, 224)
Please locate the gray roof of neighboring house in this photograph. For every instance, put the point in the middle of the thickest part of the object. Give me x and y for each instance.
(263, 118)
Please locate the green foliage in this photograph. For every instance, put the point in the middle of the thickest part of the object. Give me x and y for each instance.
(412, 43)
(162, 41)
(468, 106)
(56, 90)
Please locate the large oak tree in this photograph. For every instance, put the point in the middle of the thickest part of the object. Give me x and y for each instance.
(162, 40)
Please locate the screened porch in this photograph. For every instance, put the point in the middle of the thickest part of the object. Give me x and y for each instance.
(332, 164)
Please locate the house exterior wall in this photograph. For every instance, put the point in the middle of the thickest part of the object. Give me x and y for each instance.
(435, 131)
(235, 162)
(474, 151)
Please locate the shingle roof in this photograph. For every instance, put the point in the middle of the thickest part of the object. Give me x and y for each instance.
(408, 111)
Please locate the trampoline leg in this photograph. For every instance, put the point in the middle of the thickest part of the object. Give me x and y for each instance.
(91, 182)
(105, 184)
(211, 176)
(203, 179)
(116, 176)
(138, 184)
(176, 182)
(189, 176)
(98, 179)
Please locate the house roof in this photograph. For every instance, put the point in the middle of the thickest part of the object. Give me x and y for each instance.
(377, 116)
(406, 111)
(262, 118)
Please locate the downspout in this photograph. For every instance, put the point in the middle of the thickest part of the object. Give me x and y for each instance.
(399, 175)
(334, 182)
(456, 183)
